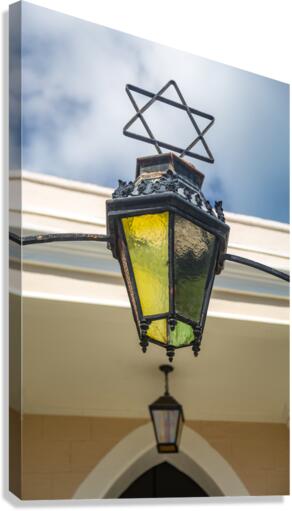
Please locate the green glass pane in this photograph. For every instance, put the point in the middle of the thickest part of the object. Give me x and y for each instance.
(182, 335)
(158, 330)
(147, 240)
(193, 251)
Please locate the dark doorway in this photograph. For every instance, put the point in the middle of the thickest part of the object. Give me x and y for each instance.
(163, 480)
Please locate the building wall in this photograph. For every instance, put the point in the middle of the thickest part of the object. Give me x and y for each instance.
(58, 452)
(67, 286)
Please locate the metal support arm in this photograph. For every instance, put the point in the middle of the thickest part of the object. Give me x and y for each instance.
(258, 266)
(49, 238)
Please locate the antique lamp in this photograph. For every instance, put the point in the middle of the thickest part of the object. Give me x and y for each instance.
(167, 418)
(169, 240)
(170, 244)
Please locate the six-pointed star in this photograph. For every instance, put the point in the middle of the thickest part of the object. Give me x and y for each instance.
(183, 106)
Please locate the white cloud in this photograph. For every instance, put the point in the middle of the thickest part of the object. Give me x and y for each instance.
(75, 106)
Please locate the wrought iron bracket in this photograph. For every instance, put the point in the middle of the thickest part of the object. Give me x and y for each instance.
(258, 266)
(50, 238)
(165, 368)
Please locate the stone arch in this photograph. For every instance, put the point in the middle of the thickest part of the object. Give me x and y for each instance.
(137, 452)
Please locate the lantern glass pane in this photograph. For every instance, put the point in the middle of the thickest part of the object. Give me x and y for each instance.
(158, 330)
(127, 278)
(147, 240)
(182, 335)
(193, 252)
(165, 423)
(179, 429)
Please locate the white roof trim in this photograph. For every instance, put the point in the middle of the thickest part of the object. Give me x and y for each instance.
(125, 304)
(58, 182)
(70, 184)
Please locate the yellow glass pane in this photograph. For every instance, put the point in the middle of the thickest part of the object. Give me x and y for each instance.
(126, 273)
(147, 240)
(158, 330)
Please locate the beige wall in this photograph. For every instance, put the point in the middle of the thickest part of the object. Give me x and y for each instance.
(248, 311)
(258, 452)
(58, 452)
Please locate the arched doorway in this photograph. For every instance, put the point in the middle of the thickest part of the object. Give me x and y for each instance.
(163, 481)
(136, 453)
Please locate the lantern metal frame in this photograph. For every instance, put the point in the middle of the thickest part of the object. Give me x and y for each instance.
(174, 186)
(163, 403)
(166, 183)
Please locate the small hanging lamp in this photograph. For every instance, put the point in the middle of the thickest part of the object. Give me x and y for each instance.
(167, 418)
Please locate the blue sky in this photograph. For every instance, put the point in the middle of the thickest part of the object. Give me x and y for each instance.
(75, 107)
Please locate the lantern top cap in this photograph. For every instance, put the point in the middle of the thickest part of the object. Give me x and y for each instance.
(166, 402)
(169, 161)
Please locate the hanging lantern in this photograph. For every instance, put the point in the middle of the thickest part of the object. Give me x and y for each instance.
(170, 244)
(167, 418)
(169, 241)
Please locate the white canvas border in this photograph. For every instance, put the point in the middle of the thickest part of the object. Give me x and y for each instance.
(254, 35)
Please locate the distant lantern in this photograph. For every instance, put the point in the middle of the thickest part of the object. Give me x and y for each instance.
(170, 244)
(167, 418)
